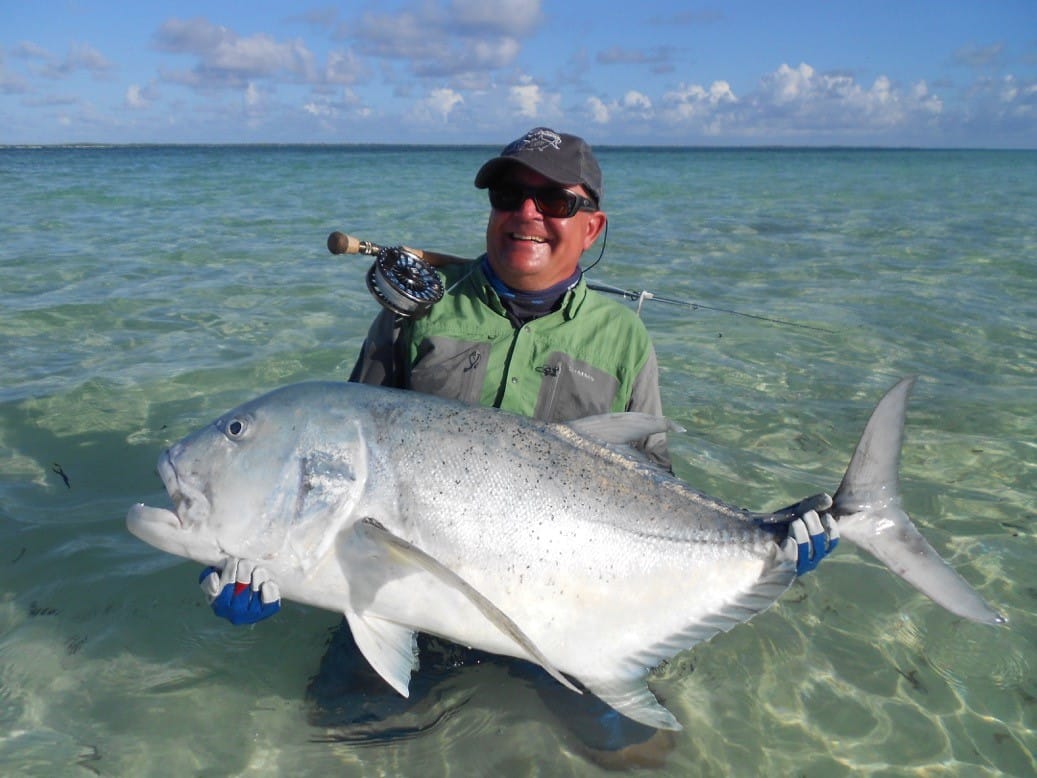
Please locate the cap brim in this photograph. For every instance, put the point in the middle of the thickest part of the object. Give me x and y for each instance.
(493, 169)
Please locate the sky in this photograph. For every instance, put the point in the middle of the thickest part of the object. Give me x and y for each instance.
(922, 73)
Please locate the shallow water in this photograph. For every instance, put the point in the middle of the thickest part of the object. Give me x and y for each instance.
(145, 290)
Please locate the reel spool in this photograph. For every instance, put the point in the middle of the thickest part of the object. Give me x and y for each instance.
(404, 283)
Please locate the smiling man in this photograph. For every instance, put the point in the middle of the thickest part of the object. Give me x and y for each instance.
(519, 329)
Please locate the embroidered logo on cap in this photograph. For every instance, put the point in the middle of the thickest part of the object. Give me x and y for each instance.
(539, 139)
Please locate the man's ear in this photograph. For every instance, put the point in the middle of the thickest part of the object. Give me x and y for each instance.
(596, 222)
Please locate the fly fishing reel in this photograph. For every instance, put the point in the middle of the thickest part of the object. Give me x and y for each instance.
(404, 283)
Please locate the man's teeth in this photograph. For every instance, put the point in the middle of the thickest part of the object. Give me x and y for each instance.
(531, 238)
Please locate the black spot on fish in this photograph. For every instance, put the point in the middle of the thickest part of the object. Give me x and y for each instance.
(36, 609)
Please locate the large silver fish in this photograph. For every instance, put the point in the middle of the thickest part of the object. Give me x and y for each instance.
(548, 542)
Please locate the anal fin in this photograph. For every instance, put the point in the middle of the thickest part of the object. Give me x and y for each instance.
(633, 698)
(392, 650)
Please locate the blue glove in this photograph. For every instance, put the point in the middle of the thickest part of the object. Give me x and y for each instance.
(242, 593)
(813, 542)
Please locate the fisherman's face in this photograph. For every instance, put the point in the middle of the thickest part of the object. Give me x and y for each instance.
(530, 251)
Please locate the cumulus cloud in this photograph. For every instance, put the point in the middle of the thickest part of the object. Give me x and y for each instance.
(1007, 102)
(226, 59)
(343, 68)
(809, 100)
(691, 101)
(599, 111)
(437, 105)
(636, 103)
(525, 98)
(330, 107)
(79, 58)
(140, 97)
(456, 40)
(503, 17)
(632, 106)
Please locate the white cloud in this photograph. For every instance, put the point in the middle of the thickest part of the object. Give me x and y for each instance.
(802, 99)
(525, 98)
(252, 96)
(342, 68)
(228, 59)
(463, 38)
(507, 17)
(80, 57)
(638, 104)
(139, 97)
(437, 105)
(692, 102)
(347, 103)
(599, 112)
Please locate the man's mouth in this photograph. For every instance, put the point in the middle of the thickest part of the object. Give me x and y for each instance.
(527, 238)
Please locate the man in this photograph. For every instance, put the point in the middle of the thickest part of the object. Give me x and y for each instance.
(519, 330)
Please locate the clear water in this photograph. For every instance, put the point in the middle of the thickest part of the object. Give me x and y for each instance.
(145, 290)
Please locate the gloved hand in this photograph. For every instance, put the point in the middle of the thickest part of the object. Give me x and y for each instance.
(813, 541)
(242, 593)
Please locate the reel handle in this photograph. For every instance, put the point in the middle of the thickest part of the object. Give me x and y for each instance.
(340, 243)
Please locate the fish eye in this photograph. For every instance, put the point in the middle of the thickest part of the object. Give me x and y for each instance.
(235, 428)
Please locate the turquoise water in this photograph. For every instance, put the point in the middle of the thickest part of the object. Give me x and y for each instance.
(145, 290)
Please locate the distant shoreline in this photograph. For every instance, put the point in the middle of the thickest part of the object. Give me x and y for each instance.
(477, 146)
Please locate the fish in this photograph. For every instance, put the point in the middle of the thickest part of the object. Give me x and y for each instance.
(554, 543)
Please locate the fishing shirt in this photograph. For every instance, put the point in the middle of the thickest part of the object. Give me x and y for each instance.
(590, 355)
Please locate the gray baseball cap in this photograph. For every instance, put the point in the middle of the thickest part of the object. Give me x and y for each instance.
(562, 158)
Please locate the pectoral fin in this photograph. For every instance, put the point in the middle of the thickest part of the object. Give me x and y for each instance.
(410, 554)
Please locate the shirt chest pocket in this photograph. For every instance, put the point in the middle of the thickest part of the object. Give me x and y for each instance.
(450, 368)
(572, 389)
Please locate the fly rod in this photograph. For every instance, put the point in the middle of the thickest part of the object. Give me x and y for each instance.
(402, 281)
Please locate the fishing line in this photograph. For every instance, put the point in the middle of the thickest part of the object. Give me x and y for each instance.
(644, 294)
(402, 280)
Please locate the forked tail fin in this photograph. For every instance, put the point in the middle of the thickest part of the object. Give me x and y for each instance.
(867, 505)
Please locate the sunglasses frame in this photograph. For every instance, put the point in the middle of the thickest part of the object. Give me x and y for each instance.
(574, 202)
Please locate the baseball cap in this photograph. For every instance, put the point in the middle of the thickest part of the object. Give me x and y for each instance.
(562, 158)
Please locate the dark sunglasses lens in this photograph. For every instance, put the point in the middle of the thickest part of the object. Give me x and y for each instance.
(507, 199)
(554, 203)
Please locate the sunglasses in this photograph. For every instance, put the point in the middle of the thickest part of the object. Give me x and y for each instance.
(551, 201)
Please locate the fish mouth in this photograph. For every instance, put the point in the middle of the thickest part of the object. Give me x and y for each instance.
(190, 504)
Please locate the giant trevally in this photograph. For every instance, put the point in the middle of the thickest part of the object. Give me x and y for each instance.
(554, 543)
